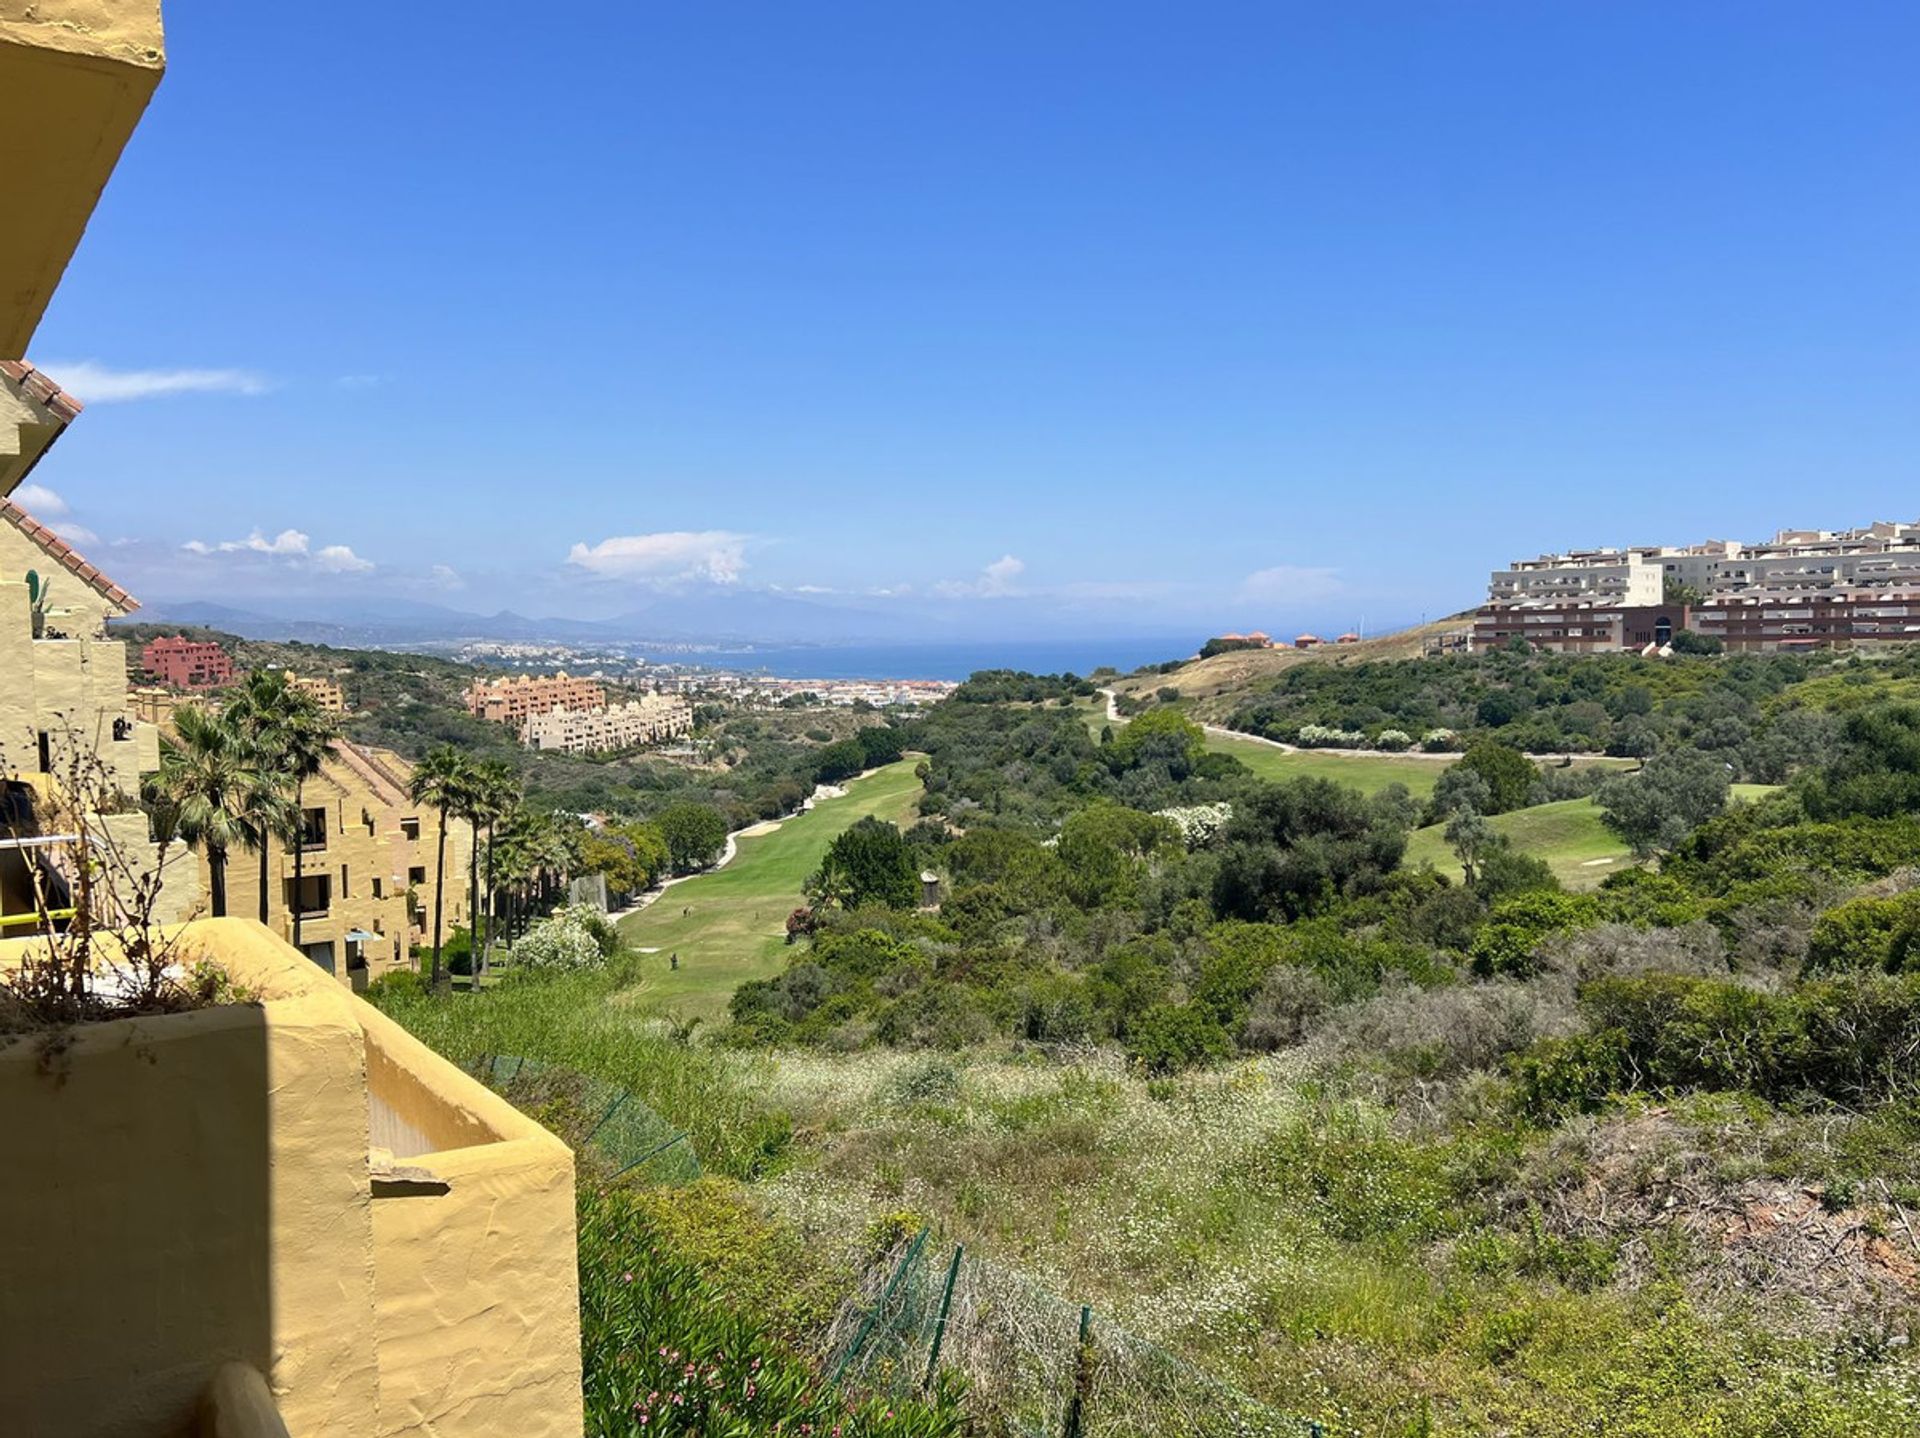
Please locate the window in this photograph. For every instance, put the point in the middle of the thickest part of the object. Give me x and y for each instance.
(312, 897)
(417, 874)
(377, 887)
(410, 828)
(346, 887)
(313, 828)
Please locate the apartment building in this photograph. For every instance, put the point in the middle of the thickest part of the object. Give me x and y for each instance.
(184, 663)
(362, 882)
(63, 683)
(324, 692)
(651, 719)
(1594, 576)
(1575, 627)
(1800, 589)
(512, 701)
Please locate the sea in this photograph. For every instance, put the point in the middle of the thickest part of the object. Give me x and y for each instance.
(953, 661)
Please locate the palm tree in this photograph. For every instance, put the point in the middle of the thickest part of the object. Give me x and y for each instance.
(498, 790)
(207, 779)
(292, 735)
(440, 781)
(476, 804)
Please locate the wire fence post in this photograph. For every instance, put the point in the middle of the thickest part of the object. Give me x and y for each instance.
(1082, 1373)
(612, 1109)
(886, 1294)
(940, 1324)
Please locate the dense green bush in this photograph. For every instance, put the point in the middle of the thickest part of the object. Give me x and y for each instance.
(1867, 933)
(1176, 1036)
(1850, 1038)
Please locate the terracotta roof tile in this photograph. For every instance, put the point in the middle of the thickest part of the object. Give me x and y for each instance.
(41, 388)
(65, 554)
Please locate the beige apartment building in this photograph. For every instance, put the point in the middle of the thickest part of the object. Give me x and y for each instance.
(650, 719)
(364, 891)
(63, 683)
(252, 1219)
(324, 692)
(514, 700)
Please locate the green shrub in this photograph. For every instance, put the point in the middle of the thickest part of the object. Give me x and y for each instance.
(1515, 926)
(397, 984)
(568, 940)
(1866, 933)
(1177, 1036)
(1578, 1074)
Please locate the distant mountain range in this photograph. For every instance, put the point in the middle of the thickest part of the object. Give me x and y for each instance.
(715, 617)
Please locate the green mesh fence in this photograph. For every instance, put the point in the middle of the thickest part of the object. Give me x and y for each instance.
(1035, 1364)
(607, 1125)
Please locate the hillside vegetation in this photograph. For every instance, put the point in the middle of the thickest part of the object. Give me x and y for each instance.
(1376, 1108)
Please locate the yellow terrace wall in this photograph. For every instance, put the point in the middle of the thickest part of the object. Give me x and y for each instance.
(199, 1189)
(178, 1193)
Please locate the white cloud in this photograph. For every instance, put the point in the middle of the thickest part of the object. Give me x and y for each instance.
(715, 555)
(338, 559)
(51, 509)
(94, 383)
(291, 545)
(1290, 584)
(997, 579)
(445, 576)
(360, 381)
(40, 502)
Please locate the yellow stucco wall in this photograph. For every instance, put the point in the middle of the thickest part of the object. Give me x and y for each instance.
(198, 1190)
(179, 1192)
(84, 70)
(453, 1314)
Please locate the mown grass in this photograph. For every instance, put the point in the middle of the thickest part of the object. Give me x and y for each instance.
(730, 926)
(1570, 835)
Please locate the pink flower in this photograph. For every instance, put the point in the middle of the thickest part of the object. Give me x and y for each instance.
(626, 1278)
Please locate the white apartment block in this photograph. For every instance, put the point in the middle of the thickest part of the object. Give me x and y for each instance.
(651, 719)
(1877, 556)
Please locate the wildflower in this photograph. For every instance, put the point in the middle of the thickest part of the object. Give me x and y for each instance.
(626, 1278)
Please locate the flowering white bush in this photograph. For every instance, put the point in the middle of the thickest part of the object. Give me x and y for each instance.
(1198, 823)
(1393, 740)
(561, 943)
(1439, 741)
(1322, 736)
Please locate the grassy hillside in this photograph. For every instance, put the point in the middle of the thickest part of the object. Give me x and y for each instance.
(1569, 835)
(730, 926)
(1211, 687)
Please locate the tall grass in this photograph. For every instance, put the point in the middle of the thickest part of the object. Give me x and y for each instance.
(583, 1021)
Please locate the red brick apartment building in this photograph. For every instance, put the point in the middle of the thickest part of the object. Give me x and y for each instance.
(1584, 628)
(515, 700)
(187, 663)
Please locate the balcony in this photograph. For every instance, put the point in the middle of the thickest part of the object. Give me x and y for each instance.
(84, 71)
(385, 1240)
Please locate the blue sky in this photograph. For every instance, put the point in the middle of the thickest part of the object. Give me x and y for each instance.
(1008, 319)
